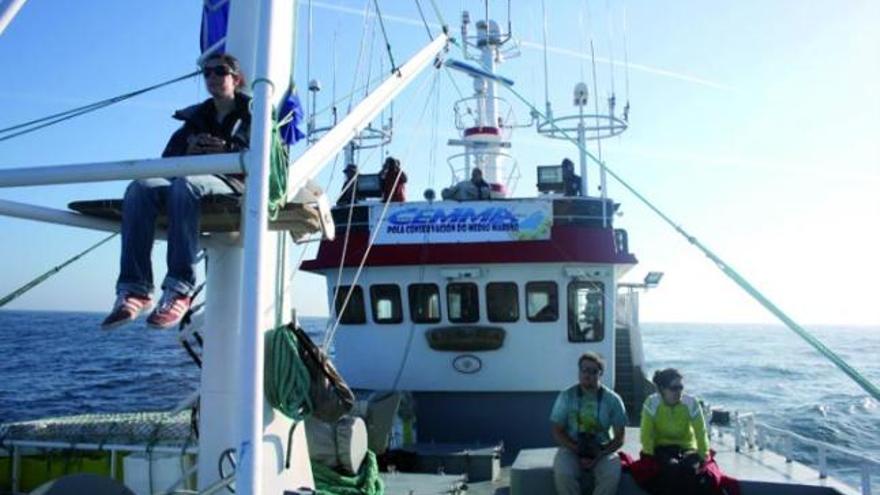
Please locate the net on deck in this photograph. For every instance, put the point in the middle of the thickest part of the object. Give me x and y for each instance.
(138, 428)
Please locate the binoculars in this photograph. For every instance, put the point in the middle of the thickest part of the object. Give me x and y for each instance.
(588, 445)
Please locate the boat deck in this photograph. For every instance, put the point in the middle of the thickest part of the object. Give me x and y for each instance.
(759, 472)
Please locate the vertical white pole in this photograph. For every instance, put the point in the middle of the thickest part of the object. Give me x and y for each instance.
(254, 298)
(492, 172)
(219, 376)
(582, 149)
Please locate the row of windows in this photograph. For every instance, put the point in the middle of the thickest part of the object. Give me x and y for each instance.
(586, 306)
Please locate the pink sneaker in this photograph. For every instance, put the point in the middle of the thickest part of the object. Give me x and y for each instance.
(170, 310)
(126, 309)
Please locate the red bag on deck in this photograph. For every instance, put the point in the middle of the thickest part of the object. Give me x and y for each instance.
(646, 468)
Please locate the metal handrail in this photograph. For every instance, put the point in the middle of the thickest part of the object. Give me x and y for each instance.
(461, 173)
(752, 434)
(469, 102)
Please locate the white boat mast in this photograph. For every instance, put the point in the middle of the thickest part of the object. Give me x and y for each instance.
(8, 10)
(234, 413)
(483, 138)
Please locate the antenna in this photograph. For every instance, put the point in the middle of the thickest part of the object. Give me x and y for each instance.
(549, 111)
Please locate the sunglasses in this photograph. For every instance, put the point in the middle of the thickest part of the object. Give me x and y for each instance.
(219, 70)
(676, 388)
(590, 371)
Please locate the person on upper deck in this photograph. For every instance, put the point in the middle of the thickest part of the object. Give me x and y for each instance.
(581, 418)
(571, 180)
(220, 124)
(393, 187)
(474, 189)
(349, 187)
(673, 431)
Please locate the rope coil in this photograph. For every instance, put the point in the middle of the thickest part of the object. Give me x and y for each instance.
(286, 376)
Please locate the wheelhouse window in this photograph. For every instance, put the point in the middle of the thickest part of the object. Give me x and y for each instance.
(424, 303)
(385, 299)
(354, 313)
(502, 302)
(462, 302)
(586, 311)
(542, 301)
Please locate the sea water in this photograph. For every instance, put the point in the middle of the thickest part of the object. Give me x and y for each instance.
(58, 363)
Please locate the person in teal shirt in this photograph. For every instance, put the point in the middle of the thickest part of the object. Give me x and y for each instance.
(581, 418)
(673, 431)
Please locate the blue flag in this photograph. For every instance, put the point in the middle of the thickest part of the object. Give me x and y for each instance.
(215, 18)
(291, 108)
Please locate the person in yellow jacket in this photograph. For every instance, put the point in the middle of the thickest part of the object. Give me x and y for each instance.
(673, 431)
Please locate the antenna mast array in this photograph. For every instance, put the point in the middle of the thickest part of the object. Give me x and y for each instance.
(595, 126)
(370, 137)
(484, 117)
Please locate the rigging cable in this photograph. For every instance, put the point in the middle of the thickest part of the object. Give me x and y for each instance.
(595, 100)
(351, 183)
(581, 40)
(308, 111)
(851, 372)
(546, 71)
(611, 63)
(360, 56)
(394, 68)
(37, 281)
(424, 21)
(625, 66)
(328, 337)
(49, 120)
(440, 17)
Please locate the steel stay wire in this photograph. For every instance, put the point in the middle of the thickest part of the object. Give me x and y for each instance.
(45, 276)
(851, 372)
(331, 332)
(331, 329)
(57, 118)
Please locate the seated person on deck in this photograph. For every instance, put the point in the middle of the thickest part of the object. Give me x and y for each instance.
(581, 418)
(673, 431)
(220, 124)
(474, 189)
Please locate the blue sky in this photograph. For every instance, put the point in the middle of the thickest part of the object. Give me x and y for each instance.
(754, 124)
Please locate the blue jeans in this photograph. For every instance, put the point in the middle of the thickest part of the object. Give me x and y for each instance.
(144, 200)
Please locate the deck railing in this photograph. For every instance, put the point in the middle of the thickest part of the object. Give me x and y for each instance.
(749, 434)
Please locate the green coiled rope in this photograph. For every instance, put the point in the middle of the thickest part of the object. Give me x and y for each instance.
(286, 382)
(365, 482)
(277, 172)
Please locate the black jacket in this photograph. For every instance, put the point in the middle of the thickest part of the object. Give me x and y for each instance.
(202, 118)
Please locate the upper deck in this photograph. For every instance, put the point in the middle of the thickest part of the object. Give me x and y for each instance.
(532, 230)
